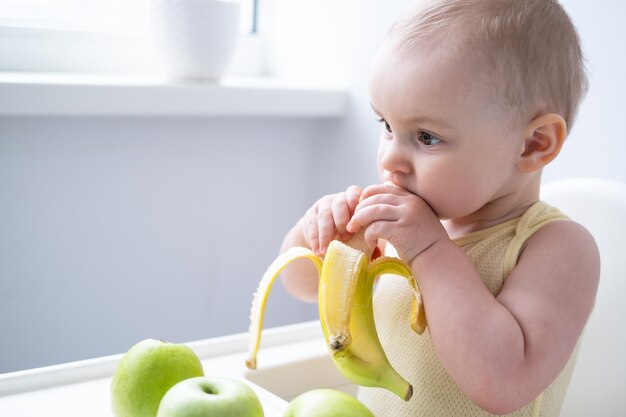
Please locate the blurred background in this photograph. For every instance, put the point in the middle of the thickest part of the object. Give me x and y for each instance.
(118, 227)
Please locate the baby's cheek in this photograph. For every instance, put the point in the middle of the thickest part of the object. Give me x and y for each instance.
(379, 168)
(443, 202)
(455, 203)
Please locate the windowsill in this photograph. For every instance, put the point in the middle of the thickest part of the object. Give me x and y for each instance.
(147, 95)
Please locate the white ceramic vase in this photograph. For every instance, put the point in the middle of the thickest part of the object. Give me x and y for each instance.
(195, 39)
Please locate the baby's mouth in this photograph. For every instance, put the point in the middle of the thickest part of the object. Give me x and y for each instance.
(388, 179)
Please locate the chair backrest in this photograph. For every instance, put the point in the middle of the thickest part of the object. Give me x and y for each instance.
(598, 385)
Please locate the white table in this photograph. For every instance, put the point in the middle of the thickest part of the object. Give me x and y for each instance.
(292, 360)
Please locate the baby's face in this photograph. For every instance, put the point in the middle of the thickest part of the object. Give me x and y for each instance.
(443, 137)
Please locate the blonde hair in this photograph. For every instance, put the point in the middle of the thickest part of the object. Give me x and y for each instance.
(531, 47)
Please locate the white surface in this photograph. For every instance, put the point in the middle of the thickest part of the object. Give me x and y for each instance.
(293, 377)
(82, 388)
(600, 375)
(195, 39)
(93, 95)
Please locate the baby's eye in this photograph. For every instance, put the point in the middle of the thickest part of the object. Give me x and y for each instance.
(387, 127)
(428, 139)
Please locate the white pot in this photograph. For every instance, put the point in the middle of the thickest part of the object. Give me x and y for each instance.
(195, 39)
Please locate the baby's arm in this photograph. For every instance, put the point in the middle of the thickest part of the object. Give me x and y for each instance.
(502, 351)
(324, 221)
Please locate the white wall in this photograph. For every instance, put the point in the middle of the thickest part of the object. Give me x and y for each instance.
(597, 144)
(113, 230)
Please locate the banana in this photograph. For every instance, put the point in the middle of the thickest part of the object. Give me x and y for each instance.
(345, 310)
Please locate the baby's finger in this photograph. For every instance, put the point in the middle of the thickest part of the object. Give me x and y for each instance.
(311, 229)
(363, 217)
(325, 224)
(353, 194)
(375, 231)
(384, 188)
(386, 199)
(341, 212)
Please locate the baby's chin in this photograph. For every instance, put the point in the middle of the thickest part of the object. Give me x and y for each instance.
(447, 215)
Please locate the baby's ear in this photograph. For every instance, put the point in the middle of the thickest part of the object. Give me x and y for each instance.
(543, 140)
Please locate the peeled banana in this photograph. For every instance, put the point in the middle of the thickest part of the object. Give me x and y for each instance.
(345, 311)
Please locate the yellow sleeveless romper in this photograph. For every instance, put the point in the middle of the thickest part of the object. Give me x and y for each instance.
(494, 252)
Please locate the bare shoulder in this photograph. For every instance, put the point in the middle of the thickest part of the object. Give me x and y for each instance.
(565, 249)
(561, 260)
(568, 234)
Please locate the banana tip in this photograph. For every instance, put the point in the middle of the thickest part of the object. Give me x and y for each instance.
(251, 363)
(339, 342)
(409, 393)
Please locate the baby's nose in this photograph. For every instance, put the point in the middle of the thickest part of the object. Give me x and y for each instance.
(396, 158)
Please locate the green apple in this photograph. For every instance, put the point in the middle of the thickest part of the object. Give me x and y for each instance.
(210, 396)
(146, 372)
(325, 402)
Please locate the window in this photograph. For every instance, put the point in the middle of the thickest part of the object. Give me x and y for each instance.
(109, 36)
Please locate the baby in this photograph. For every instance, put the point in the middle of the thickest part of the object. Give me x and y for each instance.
(475, 97)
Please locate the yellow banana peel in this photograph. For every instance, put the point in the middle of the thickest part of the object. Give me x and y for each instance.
(346, 312)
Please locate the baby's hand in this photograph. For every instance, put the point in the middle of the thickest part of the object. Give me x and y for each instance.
(326, 220)
(402, 218)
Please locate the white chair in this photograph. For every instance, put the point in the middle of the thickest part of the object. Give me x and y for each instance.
(598, 385)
